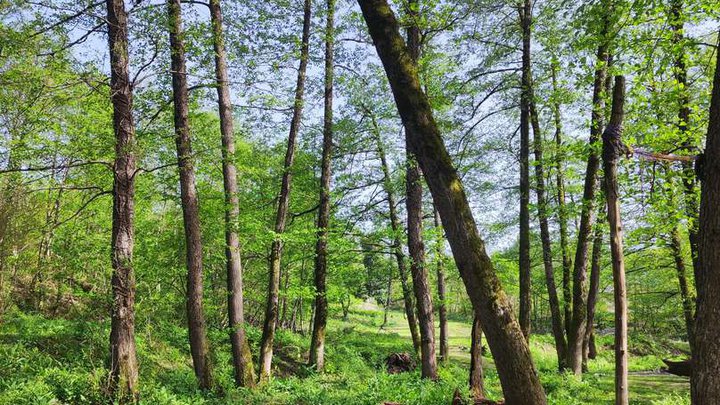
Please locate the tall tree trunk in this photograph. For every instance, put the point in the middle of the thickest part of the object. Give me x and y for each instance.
(677, 23)
(613, 148)
(244, 371)
(562, 208)
(579, 302)
(416, 247)
(123, 358)
(705, 381)
(515, 367)
(477, 389)
(397, 231)
(545, 238)
(199, 345)
(271, 309)
(525, 10)
(442, 307)
(595, 267)
(317, 346)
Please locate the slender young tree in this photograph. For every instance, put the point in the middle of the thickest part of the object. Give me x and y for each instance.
(477, 388)
(442, 306)
(525, 10)
(589, 349)
(613, 149)
(271, 308)
(242, 359)
(416, 247)
(515, 367)
(317, 346)
(705, 381)
(397, 231)
(199, 344)
(579, 301)
(123, 358)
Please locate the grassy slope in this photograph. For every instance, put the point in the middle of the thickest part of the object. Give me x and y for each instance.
(59, 360)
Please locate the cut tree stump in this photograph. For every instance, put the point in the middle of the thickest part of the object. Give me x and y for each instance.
(399, 363)
(682, 368)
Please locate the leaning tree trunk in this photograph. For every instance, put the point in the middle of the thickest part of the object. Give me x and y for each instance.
(199, 345)
(317, 345)
(514, 364)
(562, 208)
(271, 309)
(579, 302)
(397, 231)
(477, 389)
(244, 371)
(613, 148)
(705, 381)
(416, 247)
(442, 306)
(525, 10)
(123, 358)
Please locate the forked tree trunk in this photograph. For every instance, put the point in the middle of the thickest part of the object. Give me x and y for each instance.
(705, 380)
(512, 356)
(477, 389)
(243, 369)
(613, 148)
(123, 359)
(199, 345)
(271, 308)
(525, 10)
(397, 231)
(579, 300)
(416, 247)
(442, 307)
(317, 345)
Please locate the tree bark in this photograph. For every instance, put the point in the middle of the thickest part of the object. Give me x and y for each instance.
(525, 11)
(416, 247)
(705, 381)
(397, 244)
(685, 296)
(477, 389)
(562, 208)
(442, 307)
(244, 371)
(271, 309)
(579, 302)
(613, 148)
(199, 345)
(123, 359)
(512, 355)
(317, 345)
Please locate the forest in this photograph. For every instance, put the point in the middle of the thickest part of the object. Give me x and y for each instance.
(382, 202)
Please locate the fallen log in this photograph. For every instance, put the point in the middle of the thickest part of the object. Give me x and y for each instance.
(682, 368)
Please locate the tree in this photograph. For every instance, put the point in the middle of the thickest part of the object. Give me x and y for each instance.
(271, 309)
(525, 10)
(317, 346)
(199, 344)
(416, 247)
(477, 389)
(123, 358)
(442, 305)
(515, 367)
(242, 358)
(705, 380)
(613, 148)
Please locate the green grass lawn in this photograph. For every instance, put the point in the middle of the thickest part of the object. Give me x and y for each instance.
(45, 361)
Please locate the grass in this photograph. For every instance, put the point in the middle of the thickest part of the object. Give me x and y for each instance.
(45, 361)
